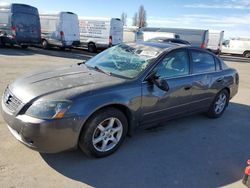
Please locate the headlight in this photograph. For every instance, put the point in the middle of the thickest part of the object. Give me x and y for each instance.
(48, 109)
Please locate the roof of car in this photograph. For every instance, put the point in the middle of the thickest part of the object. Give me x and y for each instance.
(174, 40)
(158, 48)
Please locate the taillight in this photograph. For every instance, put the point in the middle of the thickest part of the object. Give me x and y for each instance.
(110, 40)
(203, 45)
(246, 176)
(62, 35)
(13, 31)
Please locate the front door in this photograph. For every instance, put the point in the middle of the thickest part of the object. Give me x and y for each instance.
(158, 104)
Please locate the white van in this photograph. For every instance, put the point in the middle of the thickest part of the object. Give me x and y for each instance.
(60, 30)
(215, 41)
(239, 46)
(100, 33)
(196, 37)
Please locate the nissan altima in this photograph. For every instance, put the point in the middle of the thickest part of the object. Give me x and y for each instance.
(96, 104)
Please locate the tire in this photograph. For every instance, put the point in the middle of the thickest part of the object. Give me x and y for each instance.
(247, 54)
(219, 104)
(45, 44)
(97, 138)
(91, 47)
(24, 46)
(2, 44)
(62, 48)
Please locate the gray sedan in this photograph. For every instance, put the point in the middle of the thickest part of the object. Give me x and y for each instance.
(96, 104)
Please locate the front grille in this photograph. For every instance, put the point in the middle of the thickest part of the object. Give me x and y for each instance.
(10, 101)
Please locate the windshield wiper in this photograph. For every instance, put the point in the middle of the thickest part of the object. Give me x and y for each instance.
(103, 71)
(83, 62)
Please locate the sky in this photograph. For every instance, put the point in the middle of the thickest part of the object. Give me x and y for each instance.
(231, 16)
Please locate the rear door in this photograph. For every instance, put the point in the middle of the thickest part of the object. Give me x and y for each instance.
(27, 26)
(207, 79)
(116, 31)
(158, 104)
(70, 27)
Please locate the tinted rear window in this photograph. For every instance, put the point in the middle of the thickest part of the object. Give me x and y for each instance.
(202, 62)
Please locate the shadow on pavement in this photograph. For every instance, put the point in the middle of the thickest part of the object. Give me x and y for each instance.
(189, 152)
(235, 58)
(68, 53)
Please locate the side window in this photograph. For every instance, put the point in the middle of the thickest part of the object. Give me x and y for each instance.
(202, 62)
(174, 64)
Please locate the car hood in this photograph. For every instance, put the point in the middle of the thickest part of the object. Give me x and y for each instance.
(67, 80)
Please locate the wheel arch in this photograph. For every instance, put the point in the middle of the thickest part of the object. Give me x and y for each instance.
(123, 108)
(228, 90)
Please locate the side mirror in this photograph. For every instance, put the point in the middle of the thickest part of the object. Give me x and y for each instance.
(160, 83)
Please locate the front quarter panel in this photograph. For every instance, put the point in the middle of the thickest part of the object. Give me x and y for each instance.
(127, 96)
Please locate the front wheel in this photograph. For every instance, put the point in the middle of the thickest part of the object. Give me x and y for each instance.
(45, 44)
(247, 54)
(103, 133)
(219, 104)
(91, 47)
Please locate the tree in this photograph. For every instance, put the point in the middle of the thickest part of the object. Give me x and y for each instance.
(135, 20)
(142, 17)
(124, 18)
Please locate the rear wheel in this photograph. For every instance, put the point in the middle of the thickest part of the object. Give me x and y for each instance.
(247, 54)
(219, 104)
(103, 133)
(91, 47)
(45, 44)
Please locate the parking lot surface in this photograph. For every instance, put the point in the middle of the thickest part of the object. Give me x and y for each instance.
(190, 152)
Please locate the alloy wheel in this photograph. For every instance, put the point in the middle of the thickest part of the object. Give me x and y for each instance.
(107, 134)
(220, 103)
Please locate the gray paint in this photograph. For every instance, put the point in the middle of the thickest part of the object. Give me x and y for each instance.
(90, 91)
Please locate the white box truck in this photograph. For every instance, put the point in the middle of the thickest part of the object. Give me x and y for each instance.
(238, 46)
(100, 33)
(60, 30)
(215, 41)
(196, 37)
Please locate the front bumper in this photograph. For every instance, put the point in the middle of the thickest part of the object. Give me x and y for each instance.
(46, 136)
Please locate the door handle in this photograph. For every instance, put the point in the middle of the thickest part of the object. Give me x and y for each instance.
(188, 87)
(220, 79)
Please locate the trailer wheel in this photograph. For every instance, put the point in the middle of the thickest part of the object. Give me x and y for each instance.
(91, 47)
(45, 44)
(246, 54)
